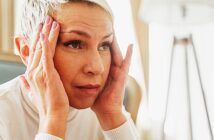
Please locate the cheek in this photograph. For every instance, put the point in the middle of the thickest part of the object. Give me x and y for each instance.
(64, 64)
(107, 64)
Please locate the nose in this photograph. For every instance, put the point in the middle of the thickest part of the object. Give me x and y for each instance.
(94, 64)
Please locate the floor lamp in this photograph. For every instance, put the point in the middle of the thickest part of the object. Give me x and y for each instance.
(181, 13)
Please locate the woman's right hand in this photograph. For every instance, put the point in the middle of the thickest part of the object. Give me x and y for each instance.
(44, 83)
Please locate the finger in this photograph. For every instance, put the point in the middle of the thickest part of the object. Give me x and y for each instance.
(127, 60)
(37, 55)
(38, 51)
(53, 36)
(39, 79)
(33, 47)
(116, 53)
(47, 59)
(47, 26)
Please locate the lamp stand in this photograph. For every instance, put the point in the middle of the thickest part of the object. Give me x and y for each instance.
(186, 42)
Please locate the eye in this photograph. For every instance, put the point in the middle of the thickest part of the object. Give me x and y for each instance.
(104, 46)
(75, 44)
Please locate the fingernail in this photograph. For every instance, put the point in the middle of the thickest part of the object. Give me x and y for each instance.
(40, 27)
(54, 25)
(47, 19)
(42, 36)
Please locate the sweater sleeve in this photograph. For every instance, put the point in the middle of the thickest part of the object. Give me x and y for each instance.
(45, 136)
(126, 131)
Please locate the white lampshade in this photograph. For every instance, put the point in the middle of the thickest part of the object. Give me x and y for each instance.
(177, 11)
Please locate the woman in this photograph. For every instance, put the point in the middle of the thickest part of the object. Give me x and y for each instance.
(74, 83)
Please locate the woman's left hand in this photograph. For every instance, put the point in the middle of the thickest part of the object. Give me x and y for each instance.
(108, 105)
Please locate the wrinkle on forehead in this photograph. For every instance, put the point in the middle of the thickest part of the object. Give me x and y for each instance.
(92, 29)
(85, 21)
(82, 17)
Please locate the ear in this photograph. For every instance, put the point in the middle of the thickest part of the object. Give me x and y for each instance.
(23, 48)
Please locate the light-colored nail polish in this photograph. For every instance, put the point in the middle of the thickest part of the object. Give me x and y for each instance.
(47, 19)
(40, 27)
(54, 25)
(42, 36)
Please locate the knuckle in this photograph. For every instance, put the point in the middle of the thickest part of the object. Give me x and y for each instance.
(43, 59)
(39, 47)
(37, 77)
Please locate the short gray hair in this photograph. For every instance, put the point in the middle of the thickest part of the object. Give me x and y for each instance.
(33, 12)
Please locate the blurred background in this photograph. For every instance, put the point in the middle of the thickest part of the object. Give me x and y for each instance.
(170, 89)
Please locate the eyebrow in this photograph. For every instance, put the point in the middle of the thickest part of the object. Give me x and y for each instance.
(82, 33)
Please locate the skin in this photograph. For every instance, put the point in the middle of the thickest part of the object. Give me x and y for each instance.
(56, 73)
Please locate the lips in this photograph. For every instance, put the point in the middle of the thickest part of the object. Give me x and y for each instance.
(89, 88)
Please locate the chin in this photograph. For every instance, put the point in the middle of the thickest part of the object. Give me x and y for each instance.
(80, 100)
(81, 105)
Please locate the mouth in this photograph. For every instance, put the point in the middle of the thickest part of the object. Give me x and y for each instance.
(89, 89)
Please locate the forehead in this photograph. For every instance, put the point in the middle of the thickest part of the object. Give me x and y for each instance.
(83, 16)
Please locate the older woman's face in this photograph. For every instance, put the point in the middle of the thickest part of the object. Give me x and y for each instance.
(82, 55)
